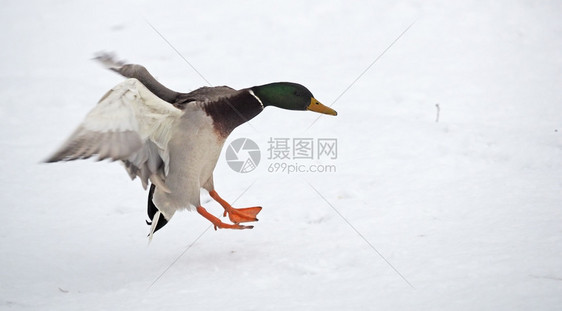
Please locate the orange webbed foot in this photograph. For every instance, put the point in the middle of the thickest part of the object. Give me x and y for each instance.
(217, 223)
(238, 215)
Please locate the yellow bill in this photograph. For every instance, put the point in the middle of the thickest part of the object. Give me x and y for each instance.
(316, 106)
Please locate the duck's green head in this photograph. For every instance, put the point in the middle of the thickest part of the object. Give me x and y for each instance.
(290, 96)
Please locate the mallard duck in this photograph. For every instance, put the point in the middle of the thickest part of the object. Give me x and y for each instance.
(173, 140)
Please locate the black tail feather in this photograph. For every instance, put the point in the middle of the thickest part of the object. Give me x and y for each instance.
(152, 209)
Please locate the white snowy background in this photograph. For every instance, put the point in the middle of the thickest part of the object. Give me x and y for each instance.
(468, 209)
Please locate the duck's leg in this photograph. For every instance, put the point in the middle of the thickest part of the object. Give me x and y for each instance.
(217, 222)
(236, 215)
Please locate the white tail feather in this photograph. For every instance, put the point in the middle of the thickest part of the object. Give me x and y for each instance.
(153, 226)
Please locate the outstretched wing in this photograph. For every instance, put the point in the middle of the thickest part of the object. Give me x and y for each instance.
(130, 124)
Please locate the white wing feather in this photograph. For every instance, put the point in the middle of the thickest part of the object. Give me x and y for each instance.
(130, 124)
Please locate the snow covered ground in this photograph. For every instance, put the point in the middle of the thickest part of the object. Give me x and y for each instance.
(468, 209)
